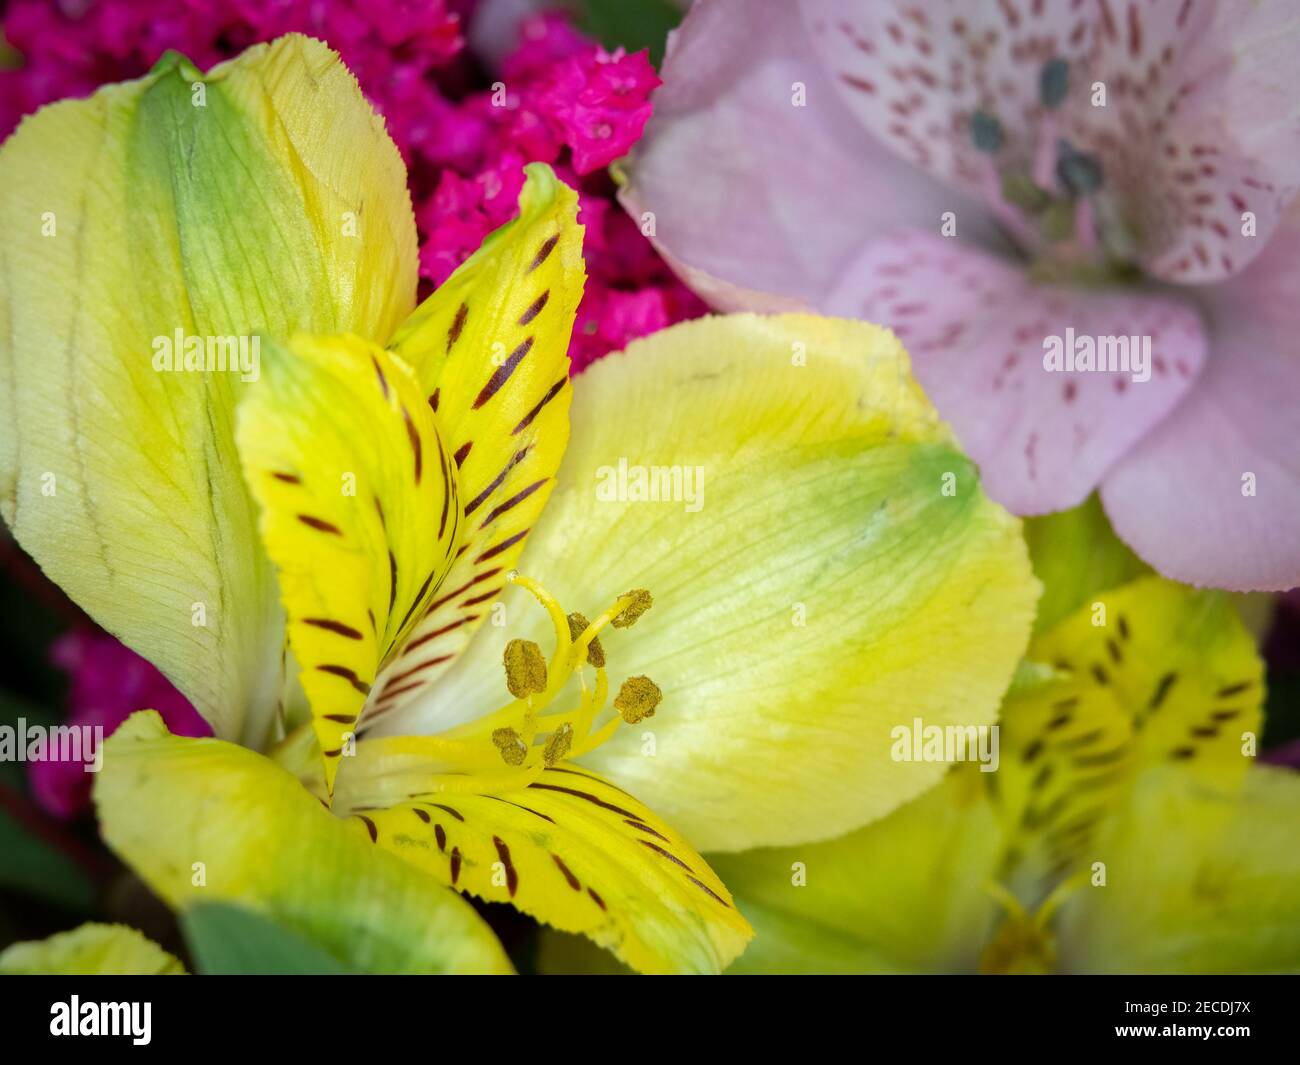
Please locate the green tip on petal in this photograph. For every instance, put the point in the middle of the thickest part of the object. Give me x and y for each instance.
(174, 60)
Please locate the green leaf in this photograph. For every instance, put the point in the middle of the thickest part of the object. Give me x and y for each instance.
(631, 24)
(33, 867)
(227, 940)
(1077, 556)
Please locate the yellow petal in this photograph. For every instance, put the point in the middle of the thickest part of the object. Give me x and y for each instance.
(1182, 666)
(905, 894)
(836, 572)
(360, 513)
(1087, 774)
(204, 820)
(219, 205)
(1196, 882)
(91, 950)
(1151, 674)
(491, 351)
(1066, 757)
(571, 849)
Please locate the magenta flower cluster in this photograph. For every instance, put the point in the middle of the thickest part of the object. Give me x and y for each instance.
(565, 101)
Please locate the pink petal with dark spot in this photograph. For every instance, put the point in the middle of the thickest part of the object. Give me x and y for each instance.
(1199, 127)
(976, 326)
(913, 73)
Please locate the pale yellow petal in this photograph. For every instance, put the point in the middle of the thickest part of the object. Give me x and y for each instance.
(823, 563)
(906, 894)
(261, 198)
(205, 820)
(90, 950)
(1195, 882)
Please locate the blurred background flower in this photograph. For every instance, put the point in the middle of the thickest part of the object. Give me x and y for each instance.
(978, 178)
(108, 682)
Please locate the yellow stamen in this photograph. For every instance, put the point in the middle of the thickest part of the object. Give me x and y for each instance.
(640, 603)
(595, 739)
(525, 668)
(1024, 942)
(1059, 894)
(593, 704)
(558, 621)
(595, 653)
(557, 745)
(637, 699)
(535, 684)
(511, 745)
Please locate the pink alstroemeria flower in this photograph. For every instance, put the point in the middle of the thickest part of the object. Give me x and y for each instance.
(982, 177)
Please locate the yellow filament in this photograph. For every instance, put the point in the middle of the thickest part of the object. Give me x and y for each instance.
(595, 739)
(594, 705)
(559, 620)
(485, 783)
(1015, 909)
(1057, 898)
(510, 748)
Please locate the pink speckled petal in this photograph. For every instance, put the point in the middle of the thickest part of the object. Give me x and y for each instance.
(761, 184)
(975, 326)
(1199, 127)
(913, 74)
(1179, 500)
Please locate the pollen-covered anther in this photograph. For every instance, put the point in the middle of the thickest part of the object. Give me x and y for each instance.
(640, 603)
(511, 745)
(557, 745)
(578, 624)
(531, 733)
(637, 699)
(525, 668)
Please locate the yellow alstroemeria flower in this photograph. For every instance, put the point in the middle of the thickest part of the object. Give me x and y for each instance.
(1126, 829)
(90, 949)
(384, 474)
